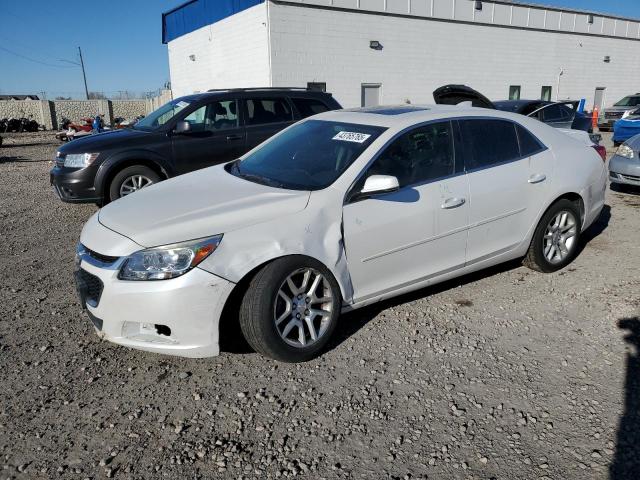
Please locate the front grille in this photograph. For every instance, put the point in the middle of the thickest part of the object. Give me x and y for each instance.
(613, 114)
(101, 258)
(632, 178)
(90, 287)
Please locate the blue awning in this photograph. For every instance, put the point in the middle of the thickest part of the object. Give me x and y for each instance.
(196, 14)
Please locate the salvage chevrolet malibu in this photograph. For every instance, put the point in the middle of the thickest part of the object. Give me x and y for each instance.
(334, 213)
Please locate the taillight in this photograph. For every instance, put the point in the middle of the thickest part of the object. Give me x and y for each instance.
(601, 151)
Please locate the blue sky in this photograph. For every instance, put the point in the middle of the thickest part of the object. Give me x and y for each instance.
(121, 43)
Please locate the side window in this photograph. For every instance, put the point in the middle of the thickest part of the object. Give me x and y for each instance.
(268, 110)
(553, 113)
(529, 145)
(489, 142)
(309, 106)
(219, 115)
(420, 155)
(567, 112)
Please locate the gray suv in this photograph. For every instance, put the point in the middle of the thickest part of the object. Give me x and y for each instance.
(609, 115)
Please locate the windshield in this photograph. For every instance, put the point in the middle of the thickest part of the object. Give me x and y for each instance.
(309, 156)
(162, 115)
(628, 102)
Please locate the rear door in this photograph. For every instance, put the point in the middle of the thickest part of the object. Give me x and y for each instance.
(264, 117)
(215, 136)
(502, 199)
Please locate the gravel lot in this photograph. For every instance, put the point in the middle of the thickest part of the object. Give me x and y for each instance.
(506, 374)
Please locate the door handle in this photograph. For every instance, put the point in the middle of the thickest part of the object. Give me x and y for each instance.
(234, 137)
(452, 203)
(537, 178)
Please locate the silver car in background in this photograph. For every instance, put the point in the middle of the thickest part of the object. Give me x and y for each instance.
(624, 166)
(609, 115)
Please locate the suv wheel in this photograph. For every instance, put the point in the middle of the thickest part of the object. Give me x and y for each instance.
(555, 241)
(130, 180)
(290, 309)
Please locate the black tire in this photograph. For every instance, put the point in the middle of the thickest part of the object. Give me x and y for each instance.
(127, 173)
(535, 258)
(259, 306)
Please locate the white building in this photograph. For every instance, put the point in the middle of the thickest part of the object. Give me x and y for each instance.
(393, 51)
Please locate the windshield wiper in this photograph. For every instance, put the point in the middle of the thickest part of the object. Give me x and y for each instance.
(261, 179)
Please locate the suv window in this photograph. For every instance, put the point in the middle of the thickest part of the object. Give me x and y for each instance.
(218, 115)
(309, 106)
(630, 101)
(489, 142)
(421, 155)
(267, 110)
(529, 145)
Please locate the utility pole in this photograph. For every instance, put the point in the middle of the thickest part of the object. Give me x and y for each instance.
(84, 75)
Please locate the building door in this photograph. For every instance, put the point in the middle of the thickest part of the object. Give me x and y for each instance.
(370, 95)
(598, 98)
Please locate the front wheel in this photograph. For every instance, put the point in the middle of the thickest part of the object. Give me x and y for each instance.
(131, 179)
(555, 241)
(290, 309)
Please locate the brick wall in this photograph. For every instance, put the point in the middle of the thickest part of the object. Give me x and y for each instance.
(50, 113)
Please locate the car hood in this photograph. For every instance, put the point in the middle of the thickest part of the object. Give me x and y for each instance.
(455, 94)
(199, 204)
(101, 141)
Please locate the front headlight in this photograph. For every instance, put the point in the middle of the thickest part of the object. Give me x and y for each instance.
(625, 150)
(169, 261)
(79, 160)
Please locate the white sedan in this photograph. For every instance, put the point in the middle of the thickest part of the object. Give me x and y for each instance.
(334, 213)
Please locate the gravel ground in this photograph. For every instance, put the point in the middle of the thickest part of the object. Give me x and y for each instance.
(505, 374)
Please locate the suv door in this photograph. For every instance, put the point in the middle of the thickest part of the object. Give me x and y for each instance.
(264, 117)
(418, 232)
(507, 173)
(215, 136)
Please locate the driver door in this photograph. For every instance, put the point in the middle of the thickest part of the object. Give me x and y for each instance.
(418, 232)
(215, 136)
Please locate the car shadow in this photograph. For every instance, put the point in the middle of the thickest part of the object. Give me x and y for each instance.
(351, 322)
(596, 228)
(11, 159)
(626, 460)
(624, 188)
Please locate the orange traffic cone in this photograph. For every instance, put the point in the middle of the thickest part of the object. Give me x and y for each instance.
(594, 118)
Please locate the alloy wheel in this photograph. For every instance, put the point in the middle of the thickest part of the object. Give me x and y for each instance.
(560, 237)
(303, 307)
(133, 183)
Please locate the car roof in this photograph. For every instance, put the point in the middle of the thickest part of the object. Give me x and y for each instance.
(402, 116)
(254, 92)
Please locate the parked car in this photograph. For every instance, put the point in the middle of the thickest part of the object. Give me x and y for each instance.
(625, 128)
(556, 114)
(624, 166)
(186, 134)
(609, 115)
(337, 212)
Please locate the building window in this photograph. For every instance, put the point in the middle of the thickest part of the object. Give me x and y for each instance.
(317, 86)
(546, 94)
(514, 92)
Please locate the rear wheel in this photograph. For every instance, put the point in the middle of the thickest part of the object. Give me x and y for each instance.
(290, 309)
(555, 241)
(131, 179)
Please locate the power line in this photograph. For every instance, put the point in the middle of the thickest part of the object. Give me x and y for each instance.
(33, 60)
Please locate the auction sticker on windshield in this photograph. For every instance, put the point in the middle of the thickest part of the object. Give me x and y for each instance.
(352, 137)
(182, 104)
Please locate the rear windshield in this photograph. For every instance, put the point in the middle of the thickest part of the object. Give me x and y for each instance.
(308, 156)
(630, 101)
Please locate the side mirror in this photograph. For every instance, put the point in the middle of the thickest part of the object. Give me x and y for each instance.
(379, 184)
(182, 127)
